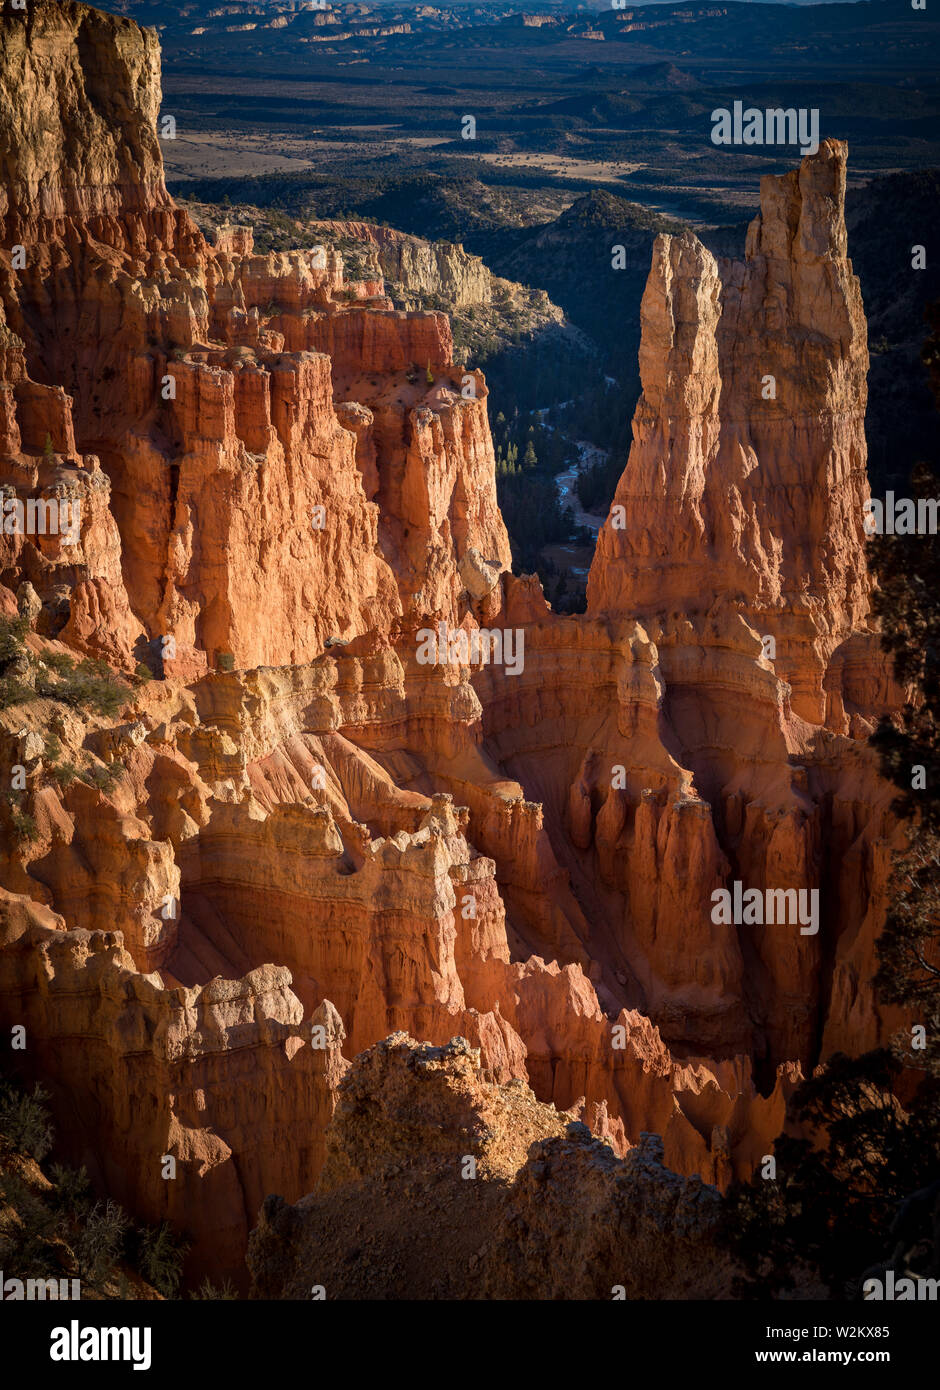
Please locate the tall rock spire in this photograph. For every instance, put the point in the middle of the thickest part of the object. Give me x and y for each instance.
(744, 488)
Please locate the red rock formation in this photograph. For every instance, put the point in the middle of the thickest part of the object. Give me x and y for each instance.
(218, 442)
(229, 1079)
(747, 474)
(303, 823)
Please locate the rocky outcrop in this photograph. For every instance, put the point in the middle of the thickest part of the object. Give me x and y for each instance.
(421, 267)
(747, 474)
(465, 1190)
(328, 771)
(214, 1078)
(486, 311)
(736, 537)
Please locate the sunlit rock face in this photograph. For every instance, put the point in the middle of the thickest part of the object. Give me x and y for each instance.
(304, 834)
(743, 495)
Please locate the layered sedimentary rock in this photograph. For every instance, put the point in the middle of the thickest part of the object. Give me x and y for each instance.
(736, 538)
(199, 377)
(484, 308)
(421, 267)
(226, 1079)
(743, 495)
(325, 820)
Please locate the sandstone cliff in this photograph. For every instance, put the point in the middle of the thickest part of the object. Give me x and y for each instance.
(221, 884)
(420, 267)
(487, 312)
(206, 380)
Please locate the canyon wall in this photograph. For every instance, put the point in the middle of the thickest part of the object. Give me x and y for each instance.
(288, 832)
(419, 266)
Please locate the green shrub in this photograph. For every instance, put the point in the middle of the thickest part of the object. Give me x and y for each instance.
(62, 1230)
(72, 1192)
(23, 824)
(13, 646)
(12, 638)
(65, 774)
(85, 685)
(100, 1242)
(28, 1225)
(13, 692)
(25, 1122)
(206, 1289)
(161, 1258)
(60, 662)
(103, 776)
